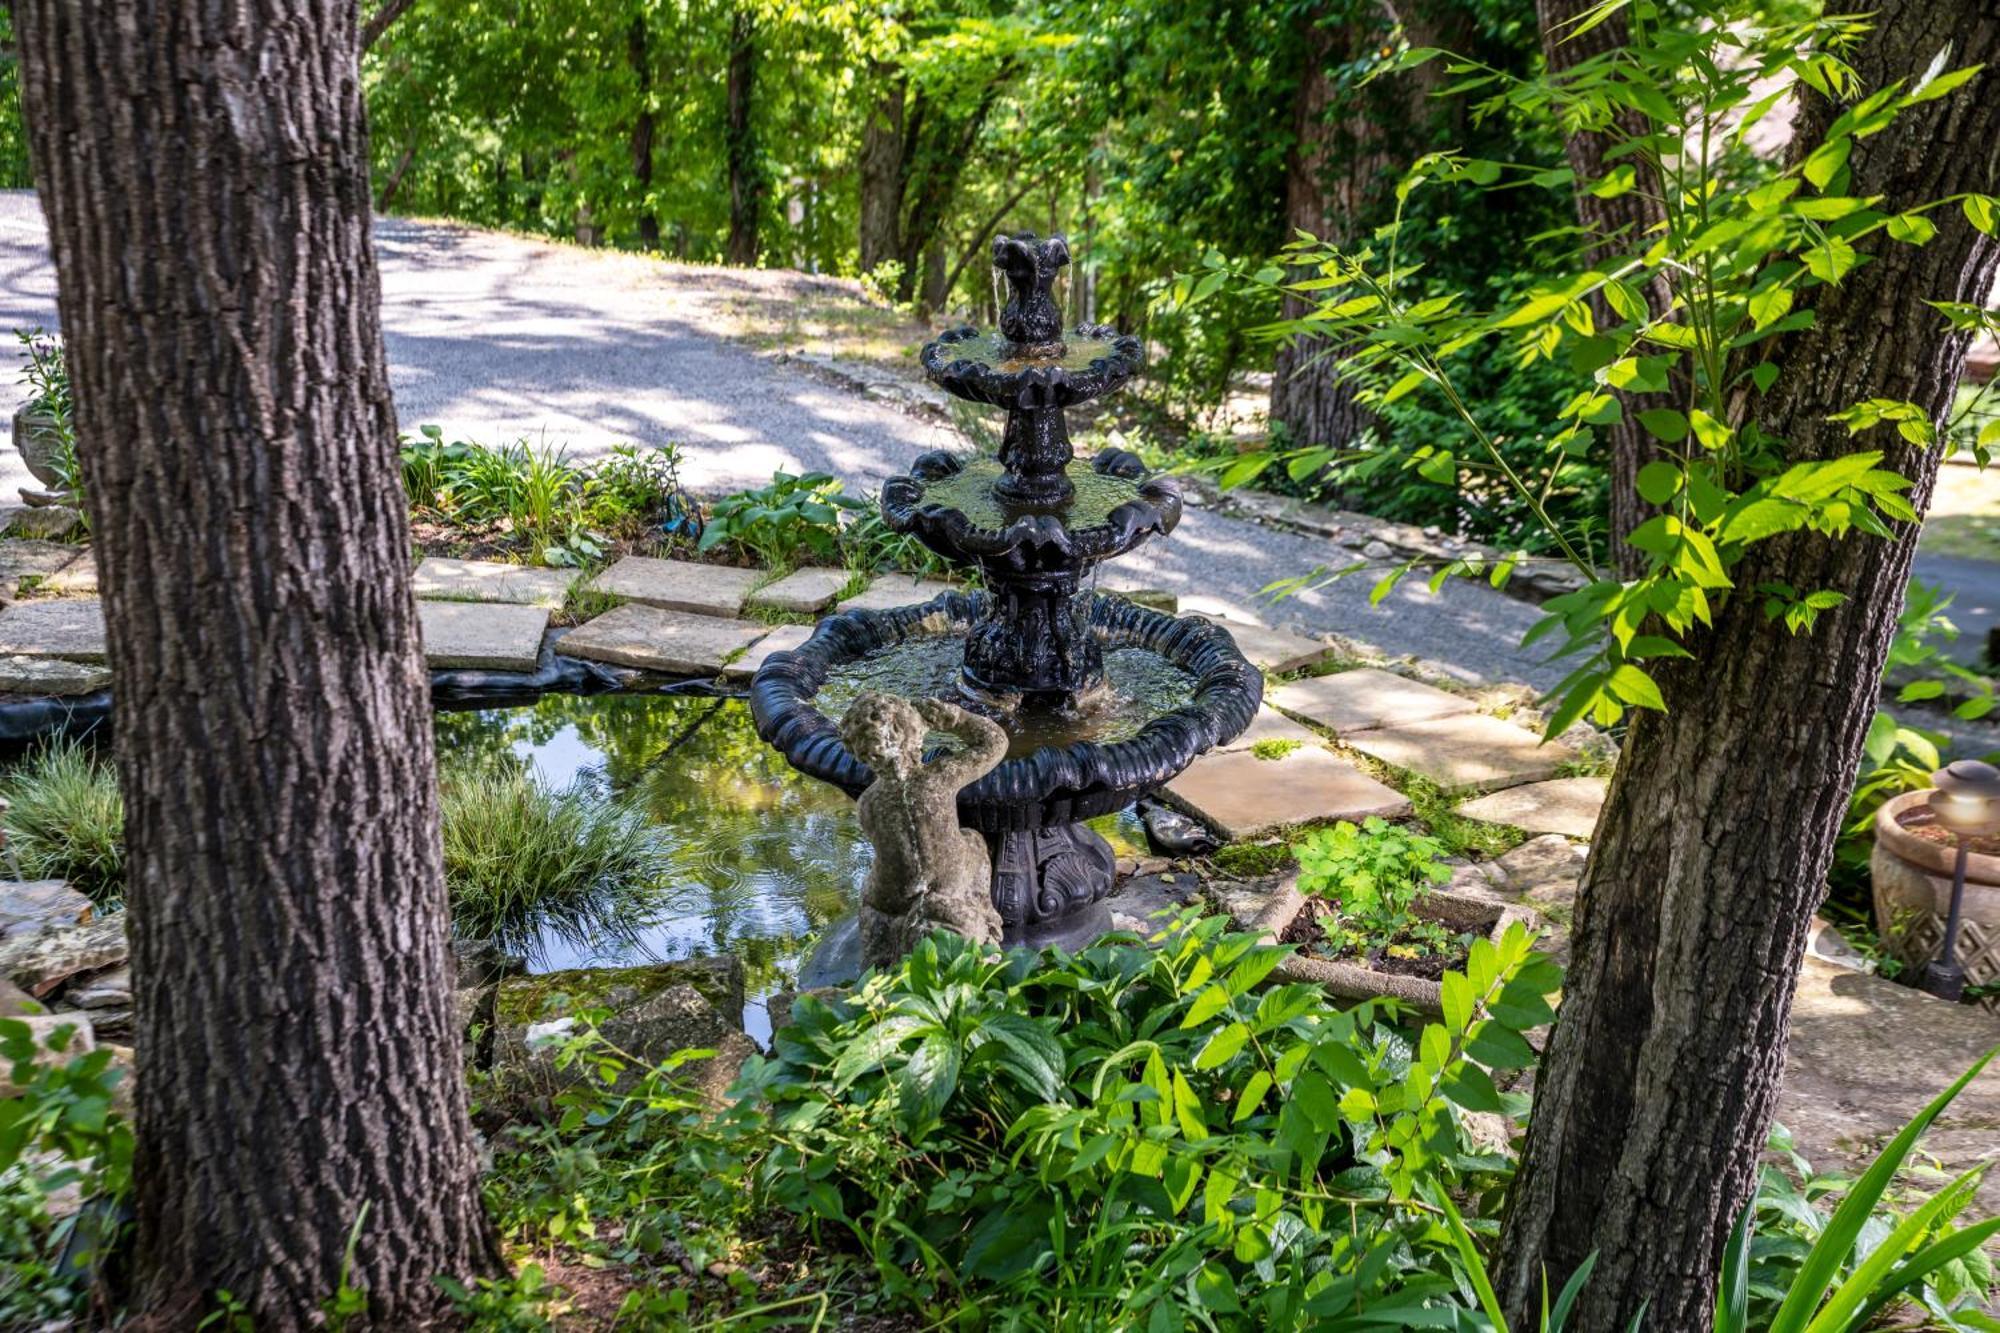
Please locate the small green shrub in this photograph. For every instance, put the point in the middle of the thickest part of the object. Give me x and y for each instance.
(1130, 1137)
(637, 492)
(521, 860)
(1375, 873)
(780, 525)
(1276, 747)
(60, 1130)
(45, 371)
(869, 545)
(66, 820)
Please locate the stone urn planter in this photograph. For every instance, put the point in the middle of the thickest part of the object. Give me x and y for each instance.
(1460, 913)
(1912, 888)
(39, 442)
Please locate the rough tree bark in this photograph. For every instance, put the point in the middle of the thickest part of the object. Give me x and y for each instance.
(204, 172)
(1327, 185)
(639, 56)
(1663, 1070)
(1348, 146)
(1615, 225)
(881, 170)
(746, 183)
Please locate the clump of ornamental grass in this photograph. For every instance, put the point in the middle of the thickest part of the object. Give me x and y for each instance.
(524, 863)
(66, 820)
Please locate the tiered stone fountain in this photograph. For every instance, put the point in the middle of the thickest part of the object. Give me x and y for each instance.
(1105, 700)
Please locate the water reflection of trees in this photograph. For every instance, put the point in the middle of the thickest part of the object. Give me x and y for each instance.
(762, 856)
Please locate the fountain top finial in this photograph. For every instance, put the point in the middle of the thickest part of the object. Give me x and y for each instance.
(1031, 320)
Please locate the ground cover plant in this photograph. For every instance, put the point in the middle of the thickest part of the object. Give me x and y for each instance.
(1371, 877)
(66, 820)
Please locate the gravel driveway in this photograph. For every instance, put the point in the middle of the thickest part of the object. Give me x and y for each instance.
(498, 337)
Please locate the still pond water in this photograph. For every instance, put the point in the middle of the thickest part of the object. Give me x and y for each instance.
(763, 859)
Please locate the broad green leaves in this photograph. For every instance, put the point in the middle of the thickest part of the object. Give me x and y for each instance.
(1680, 322)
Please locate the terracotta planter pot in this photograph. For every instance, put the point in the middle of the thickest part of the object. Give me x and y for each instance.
(1912, 887)
(1461, 913)
(39, 443)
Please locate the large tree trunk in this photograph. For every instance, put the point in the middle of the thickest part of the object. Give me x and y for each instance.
(204, 173)
(639, 55)
(1660, 1078)
(882, 173)
(746, 184)
(1615, 224)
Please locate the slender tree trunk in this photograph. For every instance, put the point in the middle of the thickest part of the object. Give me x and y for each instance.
(639, 55)
(1614, 224)
(882, 177)
(204, 173)
(937, 152)
(1659, 1082)
(1348, 146)
(746, 178)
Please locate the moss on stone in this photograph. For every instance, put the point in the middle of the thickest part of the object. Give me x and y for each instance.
(546, 995)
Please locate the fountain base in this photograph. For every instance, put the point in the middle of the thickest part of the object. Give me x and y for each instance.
(1049, 885)
(1045, 880)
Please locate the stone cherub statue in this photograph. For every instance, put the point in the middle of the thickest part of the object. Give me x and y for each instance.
(929, 874)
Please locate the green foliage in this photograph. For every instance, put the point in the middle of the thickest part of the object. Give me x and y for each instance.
(66, 819)
(1734, 260)
(45, 372)
(1276, 747)
(563, 514)
(1127, 1138)
(1375, 873)
(60, 1130)
(778, 526)
(522, 862)
(1790, 1268)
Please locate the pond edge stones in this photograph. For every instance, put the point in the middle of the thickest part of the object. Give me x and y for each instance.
(1242, 796)
(679, 585)
(482, 636)
(671, 642)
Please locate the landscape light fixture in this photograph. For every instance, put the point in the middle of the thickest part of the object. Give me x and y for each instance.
(1967, 801)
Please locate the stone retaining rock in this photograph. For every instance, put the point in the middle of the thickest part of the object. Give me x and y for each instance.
(29, 907)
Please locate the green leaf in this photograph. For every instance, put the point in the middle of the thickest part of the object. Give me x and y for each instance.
(1830, 261)
(1664, 423)
(1659, 482)
(1826, 161)
(1911, 228)
(1206, 1006)
(1457, 1000)
(1251, 1097)
(1632, 685)
(1983, 212)
(1222, 1046)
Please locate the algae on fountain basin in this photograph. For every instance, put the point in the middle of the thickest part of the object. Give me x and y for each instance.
(1139, 686)
(971, 492)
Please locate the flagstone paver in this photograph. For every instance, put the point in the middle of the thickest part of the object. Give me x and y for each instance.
(1271, 725)
(1567, 806)
(31, 559)
(1364, 699)
(679, 585)
(674, 642)
(1242, 796)
(71, 628)
(481, 636)
(1272, 650)
(894, 590)
(780, 640)
(50, 675)
(491, 581)
(1866, 1054)
(1468, 753)
(78, 578)
(803, 591)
